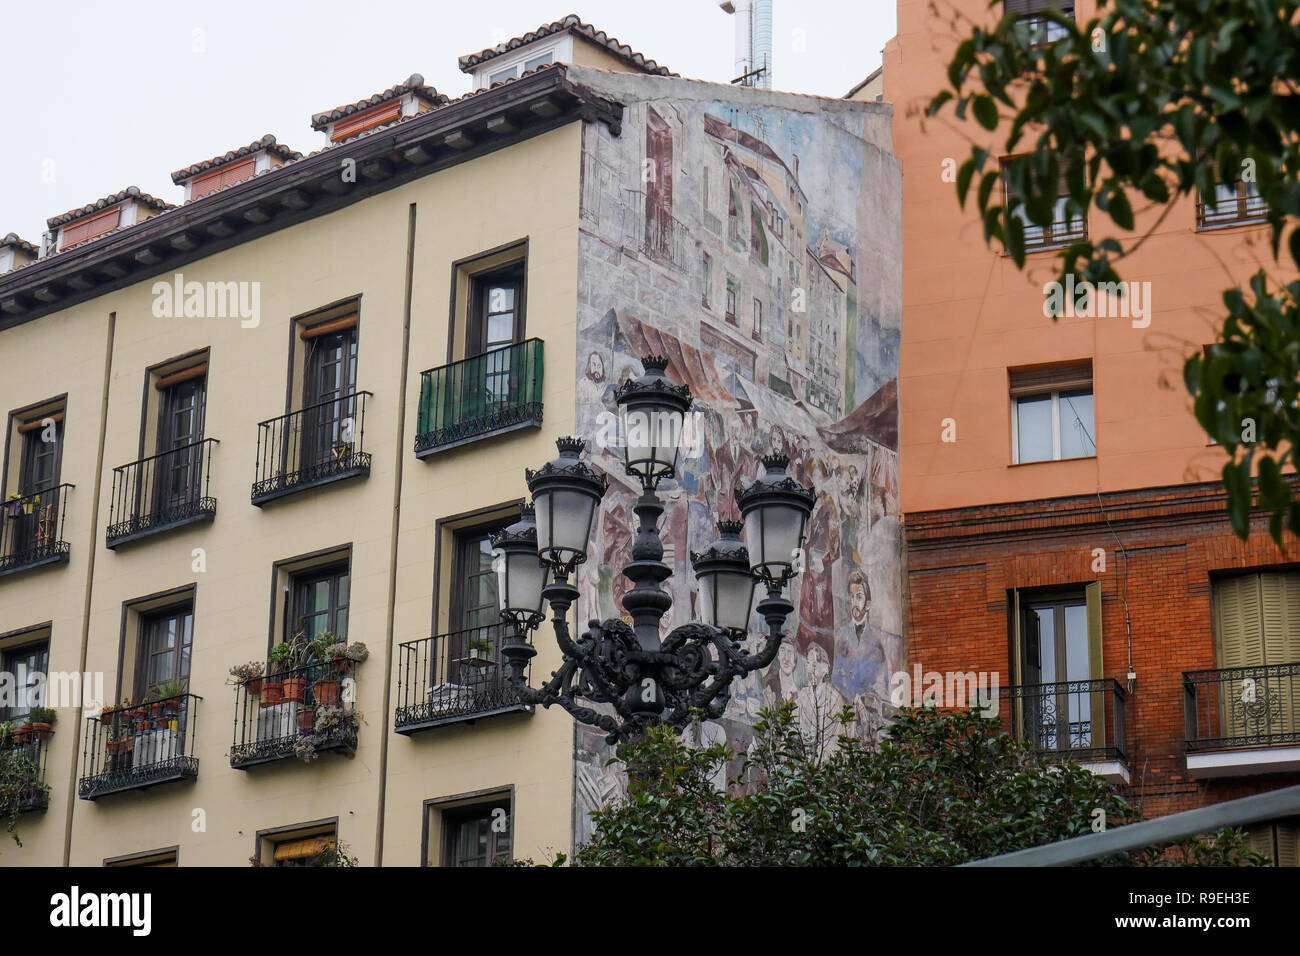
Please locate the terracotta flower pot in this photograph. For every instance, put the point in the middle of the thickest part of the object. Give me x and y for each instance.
(295, 689)
(272, 693)
(254, 686)
(306, 720)
(22, 734)
(328, 692)
(39, 731)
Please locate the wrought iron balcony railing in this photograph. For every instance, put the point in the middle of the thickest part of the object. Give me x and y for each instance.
(1242, 707)
(488, 394)
(131, 748)
(451, 678)
(22, 773)
(1243, 207)
(317, 445)
(31, 530)
(164, 491)
(297, 712)
(1080, 720)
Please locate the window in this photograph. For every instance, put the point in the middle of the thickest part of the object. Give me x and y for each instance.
(314, 845)
(90, 227)
(320, 603)
(1234, 204)
(732, 287)
(167, 857)
(219, 179)
(1257, 619)
(758, 319)
(1052, 413)
(704, 187)
(1280, 841)
(166, 641)
(1057, 640)
(1032, 25)
(329, 397)
(182, 401)
(706, 270)
(757, 234)
(477, 835)
(1063, 229)
(538, 61)
(502, 75)
(24, 663)
(367, 119)
(34, 505)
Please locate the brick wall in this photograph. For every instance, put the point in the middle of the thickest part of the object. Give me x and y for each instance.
(1161, 547)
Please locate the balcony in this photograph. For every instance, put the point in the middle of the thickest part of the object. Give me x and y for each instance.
(1081, 721)
(452, 678)
(489, 394)
(1242, 720)
(161, 493)
(298, 712)
(133, 748)
(31, 530)
(22, 773)
(318, 445)
(1233, 205)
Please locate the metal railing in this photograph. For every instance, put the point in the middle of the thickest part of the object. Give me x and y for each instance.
(316, 445)
(1242, 707)
(22, 783)
(1075, 720)
(479, 396)
(1246, 206)
(31, 529)
(129, 748)
(162, 491)
(279, 716)
(452, 677)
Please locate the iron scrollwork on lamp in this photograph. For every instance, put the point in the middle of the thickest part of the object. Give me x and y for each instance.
(646, 678)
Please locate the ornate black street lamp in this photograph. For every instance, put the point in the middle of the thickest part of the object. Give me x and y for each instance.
(648, 679)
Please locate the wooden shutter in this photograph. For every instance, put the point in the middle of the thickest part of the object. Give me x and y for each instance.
(1238, 623)
(360, 122)
(1280, 644)
(301, 849)
(1024, 8)
(1101, 699)
(1288, 844)
(1060, 376)
(1260, 838)
(90, 227)
(209, 183)
(1017, 664)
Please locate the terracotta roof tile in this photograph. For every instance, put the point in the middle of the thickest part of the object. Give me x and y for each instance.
(15, 241)
(267, 143)
(414, 84)
(130, 192)
(570, 24)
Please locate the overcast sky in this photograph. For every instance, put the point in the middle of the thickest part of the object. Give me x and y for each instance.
(104, 95)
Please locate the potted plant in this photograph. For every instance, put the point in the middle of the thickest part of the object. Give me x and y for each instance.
(341, 654)
(13, 507)
(169, 696)
(306, 720)
(41, 720)
(479, 651)
(249, 675)
(294, 656)
(23, 732)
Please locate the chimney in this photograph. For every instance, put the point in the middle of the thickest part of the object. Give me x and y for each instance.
(16, 252)
(753, 41)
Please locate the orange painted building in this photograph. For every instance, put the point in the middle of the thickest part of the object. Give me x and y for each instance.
(1065, 527)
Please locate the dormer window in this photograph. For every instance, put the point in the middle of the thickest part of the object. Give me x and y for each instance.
(90, 227)
(126, 208)
(405, 99)
(215, 174)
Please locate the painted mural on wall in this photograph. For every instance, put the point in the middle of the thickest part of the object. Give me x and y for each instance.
(756, 248)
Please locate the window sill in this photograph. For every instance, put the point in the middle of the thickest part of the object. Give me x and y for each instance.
(1050, 461)
(1231, 224)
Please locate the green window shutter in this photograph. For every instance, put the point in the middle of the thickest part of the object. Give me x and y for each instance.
(1280, 600)
(1237, 622)
(1288, 844)
(1092, 595)
(1260, 837)
(1017, 665)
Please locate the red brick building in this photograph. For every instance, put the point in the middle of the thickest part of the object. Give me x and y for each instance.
(1065, 528)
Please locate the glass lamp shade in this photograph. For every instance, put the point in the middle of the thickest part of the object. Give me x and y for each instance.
(652, 414)
(726, 582)
(565, 493)
(775, 510)
(520, 571)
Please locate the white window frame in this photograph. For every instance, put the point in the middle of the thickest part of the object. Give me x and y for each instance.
(1056, 425)
(560, 48)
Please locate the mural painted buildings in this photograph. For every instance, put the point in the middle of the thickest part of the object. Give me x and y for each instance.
(752, 238)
